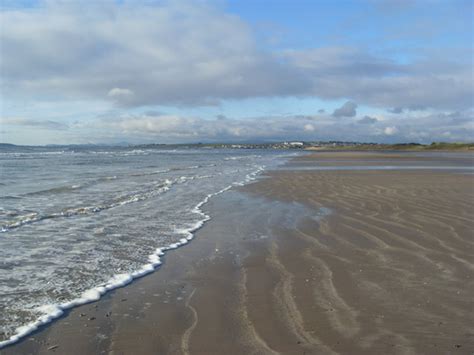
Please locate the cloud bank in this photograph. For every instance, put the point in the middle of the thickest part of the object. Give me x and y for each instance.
(157, 127)
(164, 128)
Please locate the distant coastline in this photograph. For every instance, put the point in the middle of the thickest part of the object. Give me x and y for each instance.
(301, 145)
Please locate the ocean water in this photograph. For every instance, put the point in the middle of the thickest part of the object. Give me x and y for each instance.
(77, 223)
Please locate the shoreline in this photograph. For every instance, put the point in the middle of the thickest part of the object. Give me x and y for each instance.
(56, 311)
(269, 274)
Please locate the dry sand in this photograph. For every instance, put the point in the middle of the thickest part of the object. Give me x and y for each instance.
(389, 271)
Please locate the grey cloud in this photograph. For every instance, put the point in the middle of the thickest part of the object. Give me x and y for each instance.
(458, 118)
(321, 110)
(453, 119)
(367, 120)
(396, 110)
(21, 121)
(348, 72)
(416, 108)
(346, 110)
(191, 53)
(175, 53)
(153, 113)
(342, 61)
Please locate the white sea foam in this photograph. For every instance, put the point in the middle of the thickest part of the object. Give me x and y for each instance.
(240, 157)
(53, 311)
(85, 210)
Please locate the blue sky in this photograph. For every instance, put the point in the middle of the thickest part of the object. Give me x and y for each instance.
(187, 71)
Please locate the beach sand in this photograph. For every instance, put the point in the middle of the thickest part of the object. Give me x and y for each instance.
(303, 262)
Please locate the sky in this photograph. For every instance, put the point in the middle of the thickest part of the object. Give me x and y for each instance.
(386, 71)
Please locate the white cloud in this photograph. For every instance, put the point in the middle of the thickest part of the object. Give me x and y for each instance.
(390, 131)
(309, 127)
(120, 94)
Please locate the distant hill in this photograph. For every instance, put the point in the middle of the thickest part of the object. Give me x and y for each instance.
(450, 146)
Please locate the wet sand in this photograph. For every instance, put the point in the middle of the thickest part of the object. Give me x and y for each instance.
(303, 262)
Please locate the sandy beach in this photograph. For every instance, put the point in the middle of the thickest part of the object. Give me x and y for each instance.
(304, 261)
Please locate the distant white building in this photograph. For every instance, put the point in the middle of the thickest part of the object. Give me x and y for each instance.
(297, 144)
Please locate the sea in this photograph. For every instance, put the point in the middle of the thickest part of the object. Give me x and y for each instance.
(78, 222)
